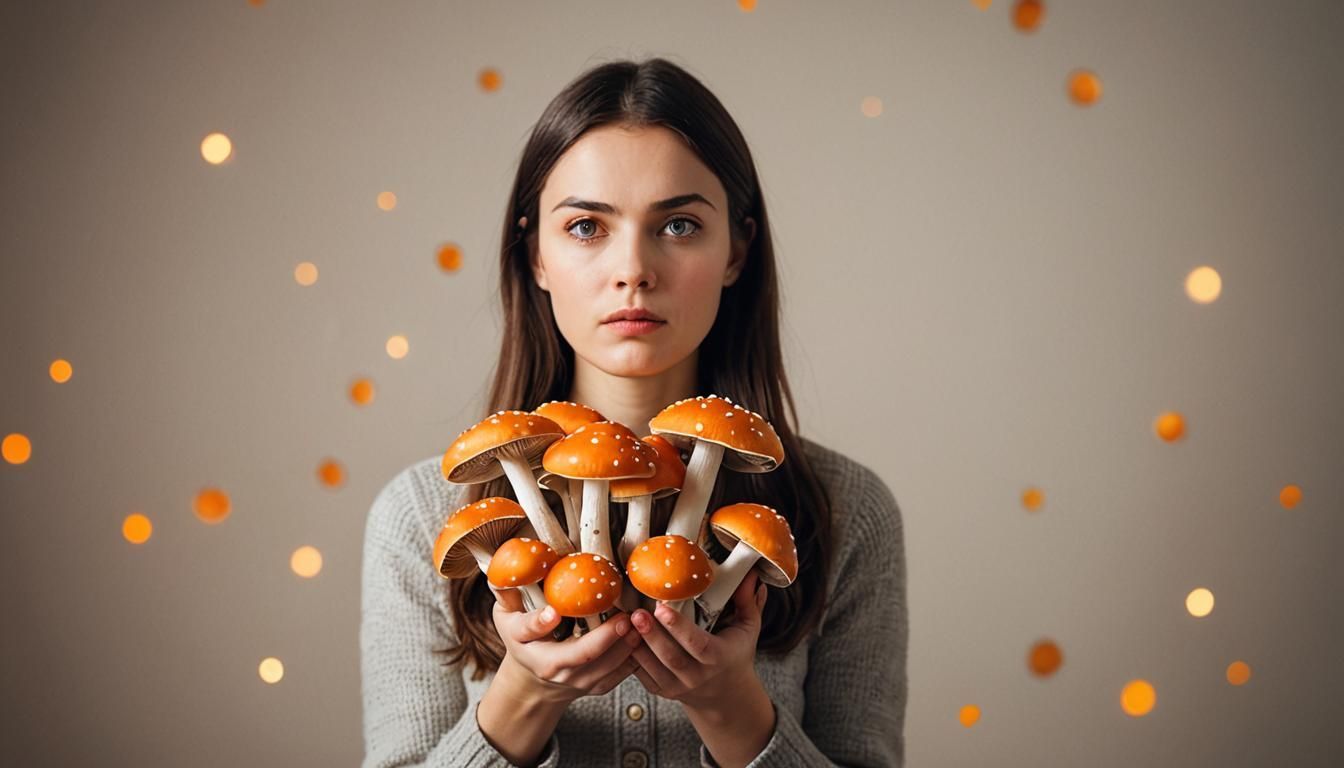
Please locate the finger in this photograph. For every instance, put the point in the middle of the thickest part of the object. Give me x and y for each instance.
(693, 639)
(653, 673)
(666, 649)
(614, 678)
(527, 627)
(748, 600)
(611, 661)
(645, 680)
(511, 599)
(588, 648)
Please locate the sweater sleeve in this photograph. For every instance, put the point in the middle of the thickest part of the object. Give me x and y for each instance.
(855, 690)
(416, 711)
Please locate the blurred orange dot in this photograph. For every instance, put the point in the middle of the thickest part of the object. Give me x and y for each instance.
(1033, 498)
(1170, 426)
(305, 273)
(1238, 672)
(982, 4)
(1027, 14)
(1045, 658)
(871, 106)
(1138, 698)
(136, 528)
(16, 448)
(256, 3)
(216, 148)
(212, 505)
(331, 473)
(490, 79)
(450, 258)
(969, 715)
(1084, 87)
(1290, 496)
(362, 391)
(747, 5)
(306, 562)
(60, 371)
(387, 201)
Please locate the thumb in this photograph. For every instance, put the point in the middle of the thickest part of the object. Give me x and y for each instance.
(536, 625)
(749, 599)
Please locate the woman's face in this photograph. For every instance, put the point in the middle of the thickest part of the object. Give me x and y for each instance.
(630, 218)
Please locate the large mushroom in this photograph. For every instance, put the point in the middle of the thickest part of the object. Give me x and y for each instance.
(510, 443)
(756, 535)
(471, 534)
(583, 584)
(715, 431)
(598, 453)
(673, 569)
(521, 563)
(570, 416)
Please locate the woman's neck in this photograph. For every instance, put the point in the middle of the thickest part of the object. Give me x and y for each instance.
(631, 400)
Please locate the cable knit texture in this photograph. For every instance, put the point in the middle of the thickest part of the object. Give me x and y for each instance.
(839, 696)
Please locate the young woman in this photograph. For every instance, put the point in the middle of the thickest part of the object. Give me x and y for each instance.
(636, 193)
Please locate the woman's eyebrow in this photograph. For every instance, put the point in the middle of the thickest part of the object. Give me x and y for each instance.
(661, 205)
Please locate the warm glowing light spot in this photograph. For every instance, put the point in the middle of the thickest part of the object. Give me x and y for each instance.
(1238, 672)
(136, 528)
(331, 473)
(490, 79)
(1203, 285)
(306, 561)
(1290, 496)
(1027, 14)
(216, 148)
(16, 448)
(271, 670)
(362, 391)
(212, 505)
(969, 715)
(1138, 698)
(305, 274)
(387, 201)
(1170, 426)
(1199, 602)
(982, 4)
(60, 371)
(397, 347)
(1084, 87)
(256, 3)
(747, 6)
(871, 106)
(1045, 658)
(450, 257)
(1033, 499)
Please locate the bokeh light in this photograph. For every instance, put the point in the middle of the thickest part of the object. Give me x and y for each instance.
(1203, 285)
(871, 107)
(16, 448)
(1199, 602)
(136, 528)
(1033, 499)
(450, 257)
(1084, 87)
(60, 370)
(216, 148)
(1169, 426)
(397, 347)
(747, 6)
(969, 715)
(1028, 14)
(271, 670)
(490, 80)
(982, 4)
(331, 474)
(361, 391)
(212, 505)
(1138, 698)
(306, 561)
(1045, 658)
(1290, 496)
(1238, 672)
(387, 201)
(305, 273)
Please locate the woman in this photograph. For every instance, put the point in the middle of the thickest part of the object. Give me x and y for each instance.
(636, 197)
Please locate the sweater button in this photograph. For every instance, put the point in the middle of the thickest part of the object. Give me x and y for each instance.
(635, 759)
(634, 712)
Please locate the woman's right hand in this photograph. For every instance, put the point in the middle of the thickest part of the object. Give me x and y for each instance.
(564, 670)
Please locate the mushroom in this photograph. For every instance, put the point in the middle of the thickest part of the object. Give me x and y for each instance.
(598, 453)
(716, 432)
(639, 494)
(583, 584)
(570, 416)
(471, 534)
(520, 563)
(673, 569)
(509, 443)
(757, 536)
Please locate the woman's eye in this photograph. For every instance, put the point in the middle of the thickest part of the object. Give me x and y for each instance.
(696, 227)
(580, 223)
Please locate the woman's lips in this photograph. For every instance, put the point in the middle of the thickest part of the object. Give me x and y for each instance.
(634, 327)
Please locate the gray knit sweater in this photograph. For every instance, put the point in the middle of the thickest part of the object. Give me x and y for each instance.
(839, 696)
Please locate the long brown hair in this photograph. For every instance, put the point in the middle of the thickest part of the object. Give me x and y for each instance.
(740, 358)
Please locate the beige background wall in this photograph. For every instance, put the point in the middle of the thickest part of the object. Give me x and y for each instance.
(984, 293)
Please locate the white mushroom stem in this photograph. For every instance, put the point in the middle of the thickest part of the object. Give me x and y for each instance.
(694, 498)
(530, 498)
(532, 594)
(575, 496)
(727, 578)
(638, 512)
(596, 538)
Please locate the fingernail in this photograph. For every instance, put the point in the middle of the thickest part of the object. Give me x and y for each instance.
(547, 613)
(621, 627)
(641, 620)
(665, 613)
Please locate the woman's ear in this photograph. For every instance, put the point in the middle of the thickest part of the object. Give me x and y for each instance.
(740, 248)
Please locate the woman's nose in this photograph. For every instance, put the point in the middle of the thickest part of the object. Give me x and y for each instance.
(635, 265)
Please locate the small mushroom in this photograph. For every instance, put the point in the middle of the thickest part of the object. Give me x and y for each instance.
(598, 453)
(520, 563)
(673, 569)
(583, 584)
(471, 534)
(716, 432)
(756, 535)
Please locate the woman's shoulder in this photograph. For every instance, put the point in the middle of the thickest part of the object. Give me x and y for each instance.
(414, 502)
(863, 507)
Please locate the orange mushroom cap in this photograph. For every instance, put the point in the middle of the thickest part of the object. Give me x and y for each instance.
(471, 457)
(519, 562)
(669, 568)
(582, 584)
(764, 530)
(669, 474)
(603, 450)
(570, 416)
(751, 444)
(488, 522)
